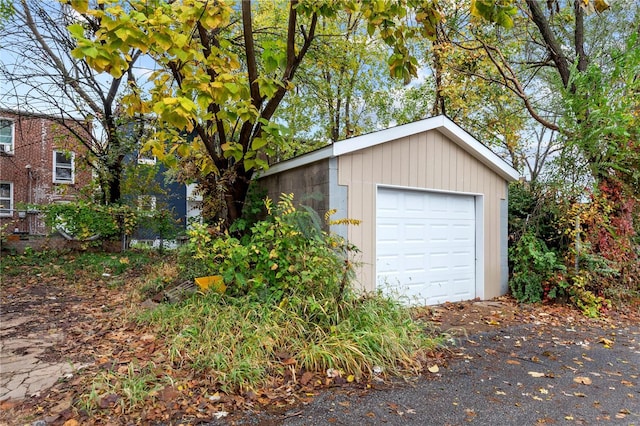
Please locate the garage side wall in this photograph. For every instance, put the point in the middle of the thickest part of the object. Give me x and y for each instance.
(309, 184)
(426, 160)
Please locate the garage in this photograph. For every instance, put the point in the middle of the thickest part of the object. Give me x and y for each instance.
(425, 245)
(432, 201)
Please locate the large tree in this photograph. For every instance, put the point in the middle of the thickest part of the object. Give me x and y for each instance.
(576, 61)
(40, 75)
(583, 57)
(222, 76)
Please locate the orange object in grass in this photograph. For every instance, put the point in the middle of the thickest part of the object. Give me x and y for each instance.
(212, 282)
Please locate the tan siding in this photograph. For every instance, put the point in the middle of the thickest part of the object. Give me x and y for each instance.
(413, 165)
(422, 165)
(430, 165)
(438, 155)
(428, 160)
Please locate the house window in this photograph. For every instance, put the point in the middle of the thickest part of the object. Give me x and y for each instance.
(146, 158)
(6, 135)
(147, 202)
(63, 167)
(6, 199)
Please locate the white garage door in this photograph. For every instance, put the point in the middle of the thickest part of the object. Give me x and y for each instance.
(425, 246)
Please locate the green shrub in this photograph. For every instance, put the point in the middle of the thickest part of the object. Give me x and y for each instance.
(288, 308)
(534, 266)
(86, 221)
(582, 295)
(285, 254)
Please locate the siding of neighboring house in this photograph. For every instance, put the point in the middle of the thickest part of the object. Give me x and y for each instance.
(29, 167)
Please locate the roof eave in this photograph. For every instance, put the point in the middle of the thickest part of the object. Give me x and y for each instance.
(440, 123)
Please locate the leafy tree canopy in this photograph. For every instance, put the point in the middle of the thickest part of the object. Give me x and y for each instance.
(223, 72)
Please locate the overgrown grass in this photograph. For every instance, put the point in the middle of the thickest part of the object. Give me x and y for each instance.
(243, 344)
(68, 265)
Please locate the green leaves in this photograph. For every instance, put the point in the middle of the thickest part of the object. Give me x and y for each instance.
(500, 12)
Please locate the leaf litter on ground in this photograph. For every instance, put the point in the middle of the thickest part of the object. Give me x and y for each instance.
(96, 318)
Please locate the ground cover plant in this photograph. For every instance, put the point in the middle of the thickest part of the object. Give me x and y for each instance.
(288, 319)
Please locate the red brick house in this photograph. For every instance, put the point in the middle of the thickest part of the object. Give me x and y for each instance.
(41, 162)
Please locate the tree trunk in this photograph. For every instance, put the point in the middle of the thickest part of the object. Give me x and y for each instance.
(114, 182)
(235, 196)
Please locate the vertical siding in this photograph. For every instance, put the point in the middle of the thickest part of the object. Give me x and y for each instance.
(427, 160)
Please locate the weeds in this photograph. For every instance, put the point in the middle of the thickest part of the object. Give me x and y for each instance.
(241, 344)
(130, 388)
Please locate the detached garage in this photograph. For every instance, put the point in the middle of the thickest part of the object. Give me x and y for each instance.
(432, 201)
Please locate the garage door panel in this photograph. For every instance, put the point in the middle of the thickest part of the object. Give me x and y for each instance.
(425, 244)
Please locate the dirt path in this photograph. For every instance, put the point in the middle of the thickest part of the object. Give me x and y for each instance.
(51, 337)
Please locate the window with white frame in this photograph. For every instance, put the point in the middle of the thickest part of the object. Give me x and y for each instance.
(146, 157)
(63, 171)
(7, 132)
(147, 203)
(6, 199)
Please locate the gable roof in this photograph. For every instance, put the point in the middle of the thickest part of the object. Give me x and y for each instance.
(440, 123)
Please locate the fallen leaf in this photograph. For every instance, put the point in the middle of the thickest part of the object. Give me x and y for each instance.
(8, 404)
(513, 362)
(108, 400)
(582, 380)
(71, 422)
(606, 342)
(307, 376)
(535, 374)
(433, 369)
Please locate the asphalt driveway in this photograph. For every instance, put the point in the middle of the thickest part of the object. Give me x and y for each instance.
(523, 374)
